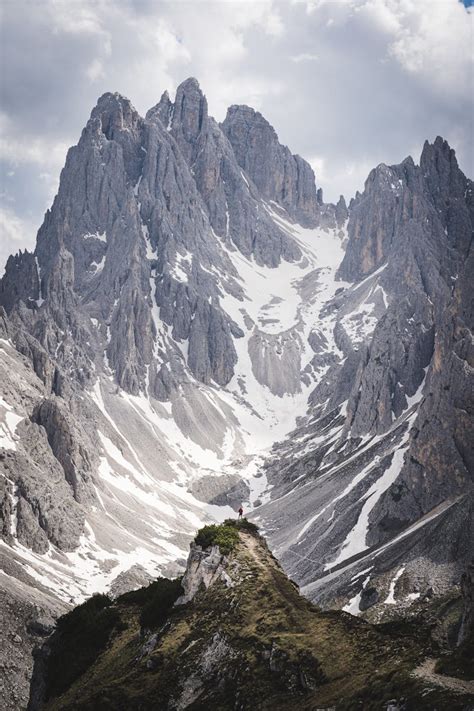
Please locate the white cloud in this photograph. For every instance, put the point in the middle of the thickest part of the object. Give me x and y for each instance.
(304, 57)
(74, 17)
(434, 39)
(95, 70)
(16, 233)
(45, 152)
(314, 5)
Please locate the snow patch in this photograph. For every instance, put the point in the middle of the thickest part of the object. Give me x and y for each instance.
(8, 425)
(353, 606)
(390, 600)
(355, 542)
(102, 236)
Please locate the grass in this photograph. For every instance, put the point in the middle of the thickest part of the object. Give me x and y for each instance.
(242, 524)
(460, 663)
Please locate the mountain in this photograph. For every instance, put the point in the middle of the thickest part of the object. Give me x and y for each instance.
(239, 635)
(195, 329)
(374, 488)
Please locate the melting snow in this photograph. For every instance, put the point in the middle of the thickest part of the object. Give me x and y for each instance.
(8, 426)
(98, 266)
(40, 299)
(353, 606)
(96, 235)
(415, 399)
(391, 593)
(178, 271)
(356, 540)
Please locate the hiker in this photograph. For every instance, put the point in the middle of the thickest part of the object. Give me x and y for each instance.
(241, 512)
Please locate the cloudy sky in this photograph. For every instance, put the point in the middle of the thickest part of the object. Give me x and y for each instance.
(346, 83)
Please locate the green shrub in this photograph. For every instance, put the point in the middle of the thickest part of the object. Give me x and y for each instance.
(242, 524)
(225, 536)
(206, 536)
(80, 637)
(140, 596)
(83, 614)
(161, 596)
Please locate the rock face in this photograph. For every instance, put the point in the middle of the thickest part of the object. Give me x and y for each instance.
(279, 176)
(204, 568)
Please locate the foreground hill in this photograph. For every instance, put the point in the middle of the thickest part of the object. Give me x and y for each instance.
(240, 636)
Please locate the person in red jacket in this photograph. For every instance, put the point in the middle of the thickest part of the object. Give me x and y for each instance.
(241, 512)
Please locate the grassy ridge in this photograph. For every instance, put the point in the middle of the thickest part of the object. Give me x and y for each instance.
(256, 641)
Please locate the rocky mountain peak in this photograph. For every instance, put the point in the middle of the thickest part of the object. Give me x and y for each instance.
(279, 176)
(341, 212)
(162, 110)
(439, 147)
(189, 111)
(448, 188)
(116, 113)
(439, 166)
(240, 118)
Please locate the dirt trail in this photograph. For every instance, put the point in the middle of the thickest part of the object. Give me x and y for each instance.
(255, 549)
(426, 671)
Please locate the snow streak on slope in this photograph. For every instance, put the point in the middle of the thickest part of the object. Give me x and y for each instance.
(280, 309)
(356, 539)
(153, 453)
(8, 422)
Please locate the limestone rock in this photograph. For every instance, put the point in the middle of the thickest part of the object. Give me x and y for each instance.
(278, 175)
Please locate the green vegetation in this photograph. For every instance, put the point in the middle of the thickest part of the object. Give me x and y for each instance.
(242, 524)
(160, 598)
(80, 637)
(224, 535)
(144, 595)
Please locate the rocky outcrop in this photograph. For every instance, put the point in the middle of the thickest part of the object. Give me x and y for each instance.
(20, 281)
(235, 207)
(341, 212)
(224, 490)
(131, 579)
(39, 501)
(73, 449)
(204, 568)
(278, 175)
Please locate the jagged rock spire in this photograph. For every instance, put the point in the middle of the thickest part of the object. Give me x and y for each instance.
(279, 176)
